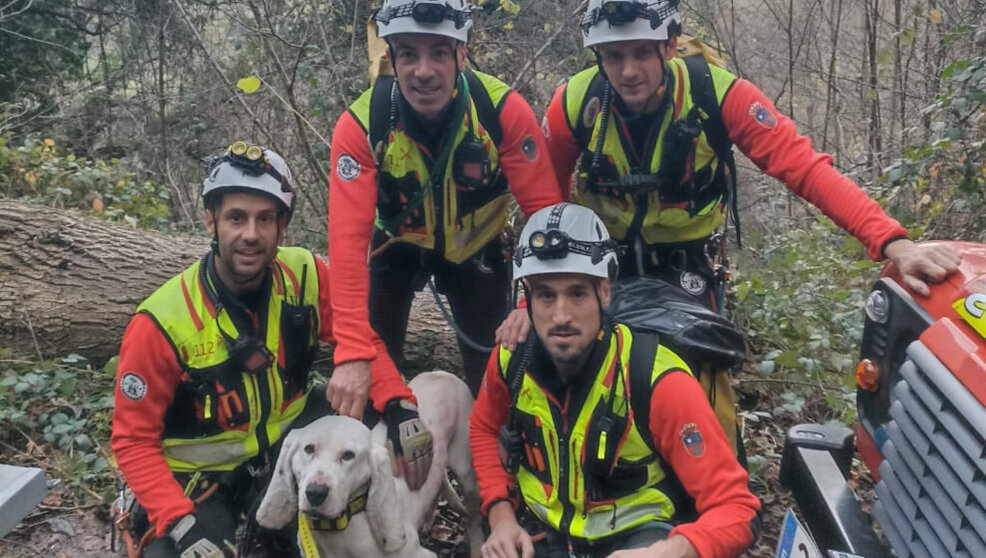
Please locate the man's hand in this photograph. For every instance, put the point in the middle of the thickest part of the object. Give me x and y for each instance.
(507, 538)
(675, 547)
(409, 442)
(513, 331)
(349, 388)
(194, 539)
(920, 265)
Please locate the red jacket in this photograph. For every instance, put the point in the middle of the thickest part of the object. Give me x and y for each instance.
(138, 426)
(778, 150)
(352, 209)
(715, 480)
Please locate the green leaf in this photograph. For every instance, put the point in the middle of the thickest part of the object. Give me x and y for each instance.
(249, 84)
(907, 36)
(787, 358)
(111, 366)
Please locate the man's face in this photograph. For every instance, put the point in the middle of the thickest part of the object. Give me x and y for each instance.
(425, 66)
(636, 70)
(566, 313)
(249, 228)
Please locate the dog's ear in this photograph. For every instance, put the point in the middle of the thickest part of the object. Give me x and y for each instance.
(383, 511)
(280, 503)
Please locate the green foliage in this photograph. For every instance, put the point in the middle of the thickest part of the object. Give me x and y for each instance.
(42, 45)
(800, 301)
(36, 171)
(55, 413)
(945, 177)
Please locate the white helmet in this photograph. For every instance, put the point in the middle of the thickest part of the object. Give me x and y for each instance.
(607, 21)
(448, 18)
(565, 238)
(249, 167)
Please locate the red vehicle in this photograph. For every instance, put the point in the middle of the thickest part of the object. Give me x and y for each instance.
(921, 400)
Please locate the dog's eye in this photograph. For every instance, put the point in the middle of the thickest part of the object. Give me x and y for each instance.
(310, 449)
(347, 456)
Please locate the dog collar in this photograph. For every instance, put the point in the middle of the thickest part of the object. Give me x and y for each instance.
(356, 505)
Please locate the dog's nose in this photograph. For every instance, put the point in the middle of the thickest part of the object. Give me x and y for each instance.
(316, 493)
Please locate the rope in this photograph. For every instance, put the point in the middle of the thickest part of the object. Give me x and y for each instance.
(451, 321)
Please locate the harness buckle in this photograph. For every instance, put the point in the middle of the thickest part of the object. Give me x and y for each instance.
(258, 471)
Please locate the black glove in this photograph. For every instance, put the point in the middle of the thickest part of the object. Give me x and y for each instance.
(409, 442)
(194, 539)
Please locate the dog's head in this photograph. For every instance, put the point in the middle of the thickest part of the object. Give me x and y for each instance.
(325, 464)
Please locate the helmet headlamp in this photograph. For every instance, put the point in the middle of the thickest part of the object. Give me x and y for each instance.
(251, 159)
(554, 244)
(550, 244)
(623, 12)
(424, 12)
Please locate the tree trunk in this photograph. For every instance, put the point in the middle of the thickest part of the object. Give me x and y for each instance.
(69, 283)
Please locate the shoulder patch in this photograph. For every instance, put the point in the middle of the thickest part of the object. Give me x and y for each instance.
(529, 148)
(762, 115)
(133, 387)
(691, 436)
(346, 167)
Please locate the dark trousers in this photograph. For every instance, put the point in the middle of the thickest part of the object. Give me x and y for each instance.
(477, 290)
(556, 546)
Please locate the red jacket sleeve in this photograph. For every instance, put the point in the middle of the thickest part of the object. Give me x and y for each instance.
(386, 383)
(525, 164)
(562, 146)
(489, 413)
(772, 142)
(146, 358)
(707, 468)
(352, 210)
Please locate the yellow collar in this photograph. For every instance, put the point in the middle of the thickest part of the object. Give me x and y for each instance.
(306, 525)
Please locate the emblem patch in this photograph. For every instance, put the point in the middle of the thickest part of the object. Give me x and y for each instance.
(691, 436)
(591, 111)
(762, 115)
(529, 148)
(693, 283)
(972, 309)
(346, 167)
(133, 387)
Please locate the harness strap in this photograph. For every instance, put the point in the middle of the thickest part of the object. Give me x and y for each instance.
(642, 351)
(704, 96)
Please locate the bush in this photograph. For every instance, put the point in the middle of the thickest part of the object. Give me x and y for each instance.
(56, 415)
(36, 171)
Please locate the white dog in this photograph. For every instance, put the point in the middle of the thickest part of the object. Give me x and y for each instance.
(325, 466)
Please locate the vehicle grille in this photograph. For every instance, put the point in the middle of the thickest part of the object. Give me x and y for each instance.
(932, 492)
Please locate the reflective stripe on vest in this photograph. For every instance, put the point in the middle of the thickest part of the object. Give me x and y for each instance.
(186, 317)
(470, 218)
(660, 224)
(559, 495)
